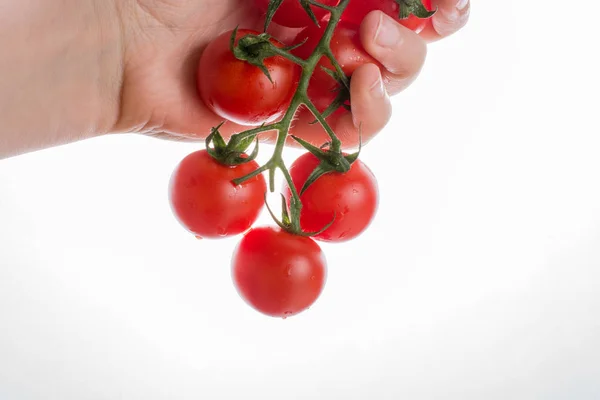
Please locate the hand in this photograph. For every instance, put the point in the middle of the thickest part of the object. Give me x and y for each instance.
(452, 15)
(59, 72)
(166, 38)
(96, 66)
(402, 53)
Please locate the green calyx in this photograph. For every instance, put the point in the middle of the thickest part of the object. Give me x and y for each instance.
(232, 153)
(274, 6)
(290, 222)
(332, 160)
(414, 7)
(342, 99)
(254, 49)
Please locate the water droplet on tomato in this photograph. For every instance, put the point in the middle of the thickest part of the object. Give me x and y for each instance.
(286, 314)
(199, 237)
(222, 231)
(354, 191)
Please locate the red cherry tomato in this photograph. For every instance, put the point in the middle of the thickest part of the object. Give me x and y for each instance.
(241, 92)
(278, 273)
(347, 50)
(291, 14)
(358, 9)
(351, 197)
(207, 203)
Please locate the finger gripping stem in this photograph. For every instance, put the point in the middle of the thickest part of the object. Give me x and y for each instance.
(254, 49)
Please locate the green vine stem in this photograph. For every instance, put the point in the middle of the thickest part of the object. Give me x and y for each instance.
(254, 49)
(300, 98)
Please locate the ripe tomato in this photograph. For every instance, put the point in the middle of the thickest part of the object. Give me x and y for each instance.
(278, 273)
(241, 92)
(291, 14)
(351, 197)
(207, 203)
(358, 9)
(347, 50)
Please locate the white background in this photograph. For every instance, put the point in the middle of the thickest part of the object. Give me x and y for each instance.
(480, 278)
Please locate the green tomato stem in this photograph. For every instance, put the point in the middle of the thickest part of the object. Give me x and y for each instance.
(252, 174)
(336, 144)
(320, 5)
(300, 97)
(237, 138)
(288, 55)
(337, 67)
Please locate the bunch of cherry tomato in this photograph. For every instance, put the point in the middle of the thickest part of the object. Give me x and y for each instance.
(250, 78)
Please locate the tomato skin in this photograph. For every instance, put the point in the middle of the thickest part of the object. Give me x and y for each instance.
(347, 50)
(352, 197)
(241, 92)
(291, 14)
(206, 202)
(278, 273)
(357, 10)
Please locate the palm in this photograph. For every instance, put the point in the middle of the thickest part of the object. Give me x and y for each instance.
(164, 41)
(159, 91)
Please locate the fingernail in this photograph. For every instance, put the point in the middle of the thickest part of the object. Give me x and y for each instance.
(377, 88)
(447, 21)
(462, 4)
(451, 19)
(388, 33)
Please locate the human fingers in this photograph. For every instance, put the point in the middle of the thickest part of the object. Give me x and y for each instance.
(371, 111)
(400, 50)
(450, 17)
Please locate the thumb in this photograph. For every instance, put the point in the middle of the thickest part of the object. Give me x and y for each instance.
(450, 17)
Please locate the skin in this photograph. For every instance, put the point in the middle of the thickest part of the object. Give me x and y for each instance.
(75, 69)
(290, 12)
(348, 51)
(357, 9)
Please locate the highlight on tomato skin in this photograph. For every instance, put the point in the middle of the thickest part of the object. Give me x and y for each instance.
(348, 199)
(291, 14)
(241, 92)
(357, 10)
(207, 203)
(278, 273)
